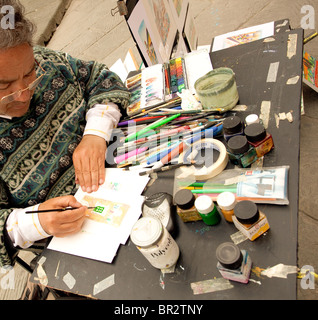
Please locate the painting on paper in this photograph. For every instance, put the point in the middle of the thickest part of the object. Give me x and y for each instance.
(146, 40)
(105, 211)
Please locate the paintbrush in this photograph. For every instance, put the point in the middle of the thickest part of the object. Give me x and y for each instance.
(54, 210)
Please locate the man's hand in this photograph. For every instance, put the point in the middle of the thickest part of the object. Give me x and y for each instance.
(89, 162)
(61, 224)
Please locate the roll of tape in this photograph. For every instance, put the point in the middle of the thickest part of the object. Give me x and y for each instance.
(213, 170)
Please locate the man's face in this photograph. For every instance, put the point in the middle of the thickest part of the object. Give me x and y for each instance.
(17, 71)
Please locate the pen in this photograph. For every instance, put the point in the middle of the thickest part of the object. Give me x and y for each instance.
(130, 154)
(54, 210)
(156, 124)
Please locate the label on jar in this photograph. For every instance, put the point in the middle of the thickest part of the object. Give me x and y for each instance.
(163, 254)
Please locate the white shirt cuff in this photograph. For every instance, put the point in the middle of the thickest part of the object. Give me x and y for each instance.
(101, 120)
(24, 229)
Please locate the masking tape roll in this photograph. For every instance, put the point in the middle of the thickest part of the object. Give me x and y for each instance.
(217, 167)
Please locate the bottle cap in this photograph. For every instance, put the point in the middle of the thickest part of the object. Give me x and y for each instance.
(184, 199)
(255, 132)
(238, 144)
(229, 255)
(246, 212)
(226, 200)
(146, 231)
(232, 125)
(204, 204)
(251, 118)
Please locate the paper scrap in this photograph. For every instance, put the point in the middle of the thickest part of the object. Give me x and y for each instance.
(211, 285)
(104, 284)
(238, 237)
(291, 45)
(42, 277)
(283, 116)
(272, 72)
(279, 271)
(293, 80)
(69, 280)
(265, 112)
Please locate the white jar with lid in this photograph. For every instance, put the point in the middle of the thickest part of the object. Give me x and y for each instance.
(155, 242)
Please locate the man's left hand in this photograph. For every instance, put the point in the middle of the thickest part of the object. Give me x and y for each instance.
(89, 162)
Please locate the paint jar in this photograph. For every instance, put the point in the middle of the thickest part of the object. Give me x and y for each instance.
(241, 152)
(207, 210)
(233, 264)
(154, 241)
(232, 126)
(226, 202)
(249, 220)
(251, 118)
(217, 90)
(259, 139)
(184, 200)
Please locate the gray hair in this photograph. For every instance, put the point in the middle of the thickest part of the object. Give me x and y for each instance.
(15, 28)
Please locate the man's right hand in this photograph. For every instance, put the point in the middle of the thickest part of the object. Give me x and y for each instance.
(63, 223)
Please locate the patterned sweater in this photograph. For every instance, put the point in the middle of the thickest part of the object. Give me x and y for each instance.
(36, 149)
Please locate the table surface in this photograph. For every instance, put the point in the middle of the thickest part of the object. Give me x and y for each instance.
(133, 276)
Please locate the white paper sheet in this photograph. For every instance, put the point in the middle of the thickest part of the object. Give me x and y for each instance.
(243, 36)
(102, 233)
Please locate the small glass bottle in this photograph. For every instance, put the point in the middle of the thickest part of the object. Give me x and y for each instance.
(226, 202)
(207, 210)
(155, 242)
(184, 199)
(241, 152)
(233, 263)
(232, 126)
(249, 220)
(259, 139)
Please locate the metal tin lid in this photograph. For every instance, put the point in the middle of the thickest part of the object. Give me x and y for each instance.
(204, 204)
(238, 144)
(255, 132)
(146, 231)
(229, 255)
(226, 200)
(184, 199)
(232, 125)
(246, 212)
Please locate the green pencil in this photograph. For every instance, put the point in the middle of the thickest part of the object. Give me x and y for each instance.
(213, 190)
(155, 125)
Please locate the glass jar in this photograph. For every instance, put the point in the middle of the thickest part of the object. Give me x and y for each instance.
(241, 152)
(226, 202)
(259, 139)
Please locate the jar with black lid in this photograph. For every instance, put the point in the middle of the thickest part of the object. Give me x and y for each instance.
(233, 264)
(257, 137)
(240, 151)
(184, 200)
(249, 220)
(232, 126)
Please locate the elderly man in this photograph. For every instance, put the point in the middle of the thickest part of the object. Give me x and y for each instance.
(56, 117)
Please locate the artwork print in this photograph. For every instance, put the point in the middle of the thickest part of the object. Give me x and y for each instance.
(146, 40)
(162, 19)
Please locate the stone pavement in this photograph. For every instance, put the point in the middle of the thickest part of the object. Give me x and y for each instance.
(88, 31)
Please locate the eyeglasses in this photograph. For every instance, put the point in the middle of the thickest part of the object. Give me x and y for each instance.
(16, 95)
